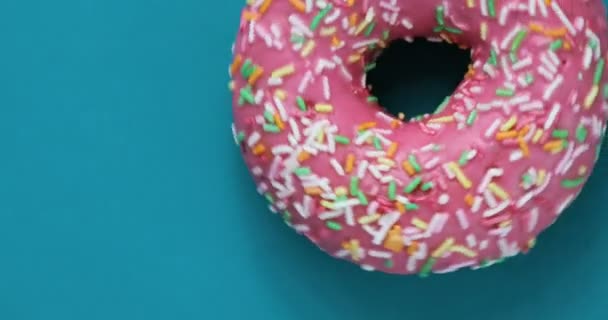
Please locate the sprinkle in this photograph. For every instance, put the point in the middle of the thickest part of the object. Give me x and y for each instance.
(552, 116)
(491, 8)
(354, 185)
(414, 162)
(521, 35)
(460, 176)
(368, 218)
(323, 107)
(259, 149)
(497, 190)
(471, 118)
(509, 124)
(413, 185)
(562, 17)
(572, 183)
(408, 168)
(391, 190)
(392, 149)
(283, 71)
(557, 44)
(271, 128)
(462, 219)
(298, 5)
(427, 267)
(427, 186)
(317, 19)
(247, 69)
(581, 133)
(443, 248)
(464, 251)
(559, 134)
(308, 47)
(420, 224)
(591, 96)
(496, 210)
(333, 225)
(552, 87)
(439, 13)
(597, 76)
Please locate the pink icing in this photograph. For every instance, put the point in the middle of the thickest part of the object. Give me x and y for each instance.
(465, 187)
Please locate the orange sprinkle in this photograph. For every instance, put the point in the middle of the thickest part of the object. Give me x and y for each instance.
(395, 124)
(265, 5)
(259, 149)
(350, 2)
(524, 147)
(567, 46)
(249, 16)
(393, 240)
(413, 248)
(366, 125)
(523, 131)
(548, 2)
(255, 75)
(353, 19)
(554, 145)
(303, 156)
(335, 42)
(313, 191)
(468, 199)
(506, 135)
(400, 207)
(350, 163)
(236, 63)
(299, 5)
(408, 168)
(278, 121)
(392, 148)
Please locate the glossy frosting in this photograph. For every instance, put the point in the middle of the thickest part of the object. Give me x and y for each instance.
(468, 186)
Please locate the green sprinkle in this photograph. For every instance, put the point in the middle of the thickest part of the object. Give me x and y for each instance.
(453, 30)
(247, 95)
(414, 162)
(354, 186)
(341, 139)
(369, 29)
(247, 69)
(439, 13)
(581, 133)
(559, 134)
(491, 8)
(362, 198)
(565, 144)
(427, 186)
(599, 70)
(269, 198)
(592, 43)
(295, 38)
(240, 137)
(392, 189)
(557, 44)
(302, 171)
(377, 143)
(271, 128)
(438, 29)
(386, 34)
(427, 267)
(333, 225)
(301, 104)
(411, 206)
(317, 19)
(606, 91)
(268, 116)
(286, 216)
(529, 78)
(493, 60)
(472, 117)
(372, 99)
(370, 67)
(464, 158)
(442, 105)
(341, 198)
(572, 183)
(519, 38)
(527, 178)
(505, 92)
(413, 185)
(388, 263)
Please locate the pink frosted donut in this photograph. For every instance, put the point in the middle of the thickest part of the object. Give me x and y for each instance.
(467, 186)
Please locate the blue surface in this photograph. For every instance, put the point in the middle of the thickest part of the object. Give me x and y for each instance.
(123, 197)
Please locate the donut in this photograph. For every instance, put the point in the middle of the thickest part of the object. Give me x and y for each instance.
(466, 187)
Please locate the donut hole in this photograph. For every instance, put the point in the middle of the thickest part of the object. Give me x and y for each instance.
(411, 79)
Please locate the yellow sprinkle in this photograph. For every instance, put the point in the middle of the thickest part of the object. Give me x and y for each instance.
(283, 71)
(307, 49)
(280, 93)
(537, 135)
(553, 146)
(591, 96)
(464, 251)
(361, 26)
(420, 224)
(323, 107)
(531, 243)
(484, 31)
(540, 179)
(368, 219)
(327, 204)
(386, 161)
(582, 170)
(443, 248)
(460, 176)
(341, 191)
(353, 247)
(471, 3)
(327, 31)
(498, 191)
(509, 124)
(442, 119)
(505, 224)
(354, 58)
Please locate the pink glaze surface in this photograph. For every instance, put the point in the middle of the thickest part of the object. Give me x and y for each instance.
(472, 184)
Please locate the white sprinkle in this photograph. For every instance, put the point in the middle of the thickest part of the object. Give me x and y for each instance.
(552, 87)
(476, 204)
(431, 163)
(462, 219)
(455, 267)
(487, 68)
(364, 43)
(301, 228)
(253, 139)
(379, 254)
(363, 137)
(299, 25)
(505, 68)
(274, 82)
(562, 17)
(443, 199)
(484, 8)
(326, 90)
(306, 79)
(553, 57)
(522, 63)
(542, 7)
(346, 203)
(532, 7)
(516, 155)
(257, 171)
(504, 12)
(437, 222)
(471, 240)
(577, 152)
(564, 204)
(509, 37)
(534, 105)
(587, 58)
(448, 171)
(375, 153)
(337, 166)
(407, 23)
(329, 214)
(552, 116)
(532, 219)
(333, 16)
(372, 208)
(281, 108)
(560, 166)
(362, 168)
(545, 73)
(496, 210)
(490, 199)
(548, 64)
(264, 35)
(487, 178)
(323, 64)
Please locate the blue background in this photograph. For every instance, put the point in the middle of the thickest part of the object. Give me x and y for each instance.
(122, 195)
